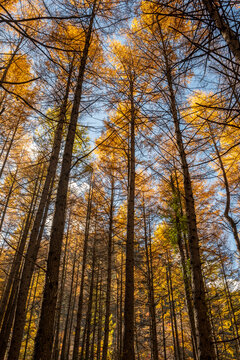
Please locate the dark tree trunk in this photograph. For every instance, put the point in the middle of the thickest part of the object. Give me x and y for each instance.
(186, 278)
(55, 354)
(109, 275)
(100, 314)
(92, 355)
(7, 201)
(31, 315)
(9, 148)
(171, 314)
(163, 335)
(151, 298)
(66, 329)
(90, 303)
(80, 300)
(128, 337)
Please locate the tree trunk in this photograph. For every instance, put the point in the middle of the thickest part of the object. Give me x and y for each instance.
(90, 302)
(186, 278)
(92, 355)
(151, 299)
(72, 315)
(171, 314)
(109, 275)
(128, 337)
(9, 147)
(55, 354)
(80, 300)
(163, 335)
(7, 201)
(66, 329)
(31, 315)
(99, 336)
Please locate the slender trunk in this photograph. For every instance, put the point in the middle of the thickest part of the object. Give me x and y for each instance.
(171, 314)
(99, 337)
(163, 335)
(118, 319)
(137, 342)
(182, 333)
(151, 299)
(5, 143)
(31, 316)
(90, 302)
(109, 275)
(9, 147)
(186, 278)
(80, 300)
(121, 311)
(72, 315)
(7, 201)
(55, 354)
(128, 337)
(213, 332)
(223, 337)
(92, 355)
(82, 357)
(66, 329)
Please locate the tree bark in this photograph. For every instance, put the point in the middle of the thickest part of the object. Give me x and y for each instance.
(186, 277)
(90, 303)
(109, 275)
(9, 147)
(7, 201)
(128, 337)
(99, 335)
(55, 354)
(31, 315)
(151, 298)
(163, 335)
(84, 258)
(66, 329)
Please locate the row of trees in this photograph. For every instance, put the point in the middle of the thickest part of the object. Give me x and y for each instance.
(125, 248)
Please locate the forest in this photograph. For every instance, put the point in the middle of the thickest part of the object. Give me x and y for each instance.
(119, 179)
